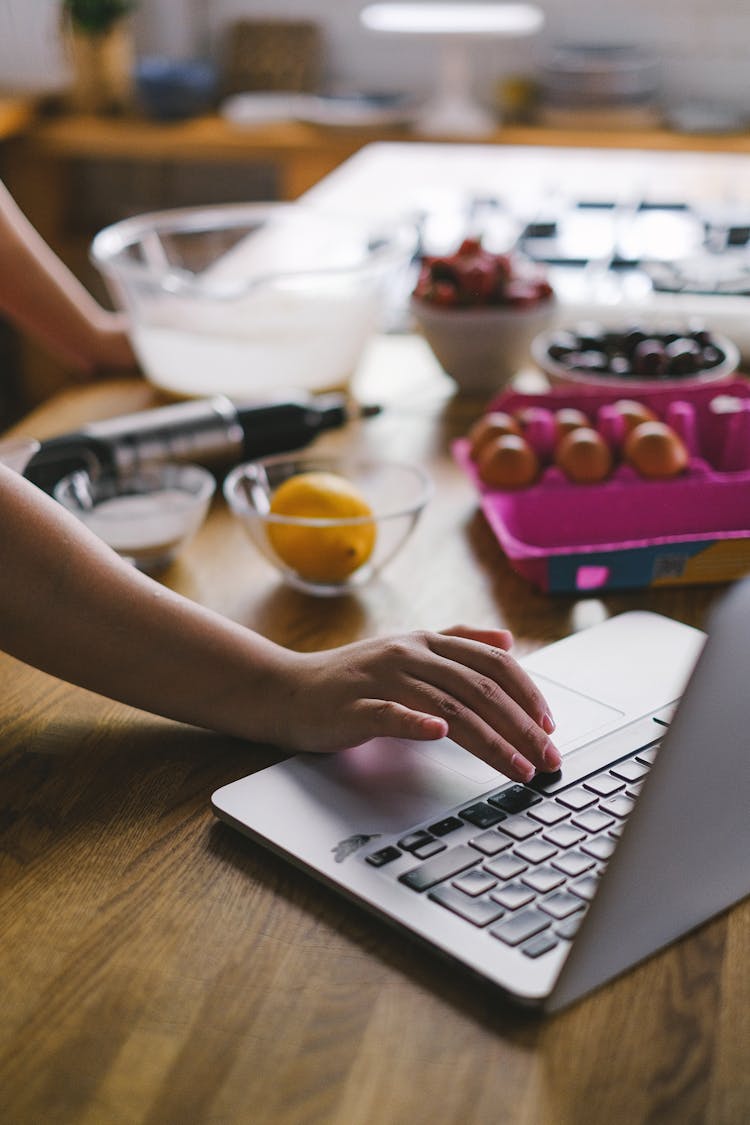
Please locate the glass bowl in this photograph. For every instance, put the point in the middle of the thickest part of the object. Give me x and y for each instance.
(250, 300)
(146, 516)
(396, 493)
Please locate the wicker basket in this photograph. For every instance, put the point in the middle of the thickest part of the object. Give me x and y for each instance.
(263, 55)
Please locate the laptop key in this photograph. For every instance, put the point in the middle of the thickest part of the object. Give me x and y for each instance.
(630, 770)
(620, 805)
(490, 843)
(604, 784)
(561, 904)
(478, 911)
(383, 856)
(585, 888)
(648, 755)
(520, 827)
(601, 847)
(445, 826)
(415, 840)
(539, 945)
(427, 850)
(543, 879)
(535, 851)
(513, 896)
(506, 866)
(577, 798)
(521, 926)
(440, 867)
(481, 815)
(593, 820)
(573, 863)
(564, 835)
(514, 798)
(549, 813)
(475, 883)
(569, 926)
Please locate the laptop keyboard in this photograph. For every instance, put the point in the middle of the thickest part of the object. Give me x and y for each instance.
(522, 865)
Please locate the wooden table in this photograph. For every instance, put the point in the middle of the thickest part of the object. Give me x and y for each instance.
(16, 116)
(157, 967)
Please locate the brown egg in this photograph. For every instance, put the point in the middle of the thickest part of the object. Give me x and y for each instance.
(508, 461)
(584, 456)
(655, 450)
(532, 415)
(568, 418)
(490, 426)
(633, 413)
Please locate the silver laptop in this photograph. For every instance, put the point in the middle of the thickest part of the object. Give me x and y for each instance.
(550, 889)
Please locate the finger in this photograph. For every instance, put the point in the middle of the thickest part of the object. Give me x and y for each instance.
(470, 730)
(501, 733)
(381, 718)
(499, 668)
(387, 719)
(499, 638)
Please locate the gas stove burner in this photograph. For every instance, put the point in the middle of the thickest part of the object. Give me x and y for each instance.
(675, 247)
(727, 228)
(706, 275)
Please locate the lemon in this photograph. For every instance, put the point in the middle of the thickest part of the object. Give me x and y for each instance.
(321, 554)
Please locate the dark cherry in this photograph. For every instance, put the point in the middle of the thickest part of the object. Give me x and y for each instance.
(650, 358)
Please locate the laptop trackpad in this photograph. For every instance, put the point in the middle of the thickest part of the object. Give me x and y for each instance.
(578, 718)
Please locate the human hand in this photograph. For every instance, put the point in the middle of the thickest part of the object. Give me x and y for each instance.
(460, 682)
(109, 349)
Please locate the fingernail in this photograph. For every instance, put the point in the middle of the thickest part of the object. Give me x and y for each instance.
(438, 727)
(523, 770)
(552, 757)
(548, 723)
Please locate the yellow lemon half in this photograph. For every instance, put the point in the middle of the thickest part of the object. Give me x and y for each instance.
(321, 554)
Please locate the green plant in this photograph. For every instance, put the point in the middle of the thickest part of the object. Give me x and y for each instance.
(96, 16)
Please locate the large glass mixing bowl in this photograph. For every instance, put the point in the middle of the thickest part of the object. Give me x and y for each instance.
(250, 300)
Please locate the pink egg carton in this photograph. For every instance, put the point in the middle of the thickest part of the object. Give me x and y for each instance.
(628, 532)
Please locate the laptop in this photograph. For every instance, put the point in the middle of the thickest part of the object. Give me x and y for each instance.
(547, 890)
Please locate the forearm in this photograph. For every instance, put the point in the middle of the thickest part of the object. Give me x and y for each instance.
(70, 606)
(43, 297)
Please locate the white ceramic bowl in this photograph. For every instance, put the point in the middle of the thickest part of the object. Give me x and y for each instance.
(482, 349)
(250, 300)
(147, 516)
(396, 493)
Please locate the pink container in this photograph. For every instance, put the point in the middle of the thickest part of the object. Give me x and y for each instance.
(629, 532)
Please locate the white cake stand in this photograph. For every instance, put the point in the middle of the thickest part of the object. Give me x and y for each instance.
(453, 109)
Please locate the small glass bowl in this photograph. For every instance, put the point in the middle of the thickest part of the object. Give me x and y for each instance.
(146, 516)
(395, 491)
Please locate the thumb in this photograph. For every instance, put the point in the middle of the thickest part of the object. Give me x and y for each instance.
(385, 718)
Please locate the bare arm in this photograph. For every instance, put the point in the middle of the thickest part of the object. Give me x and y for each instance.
(70, 606)
(40, 294)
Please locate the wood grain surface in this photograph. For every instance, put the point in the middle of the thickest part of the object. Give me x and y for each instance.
(156, 967)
